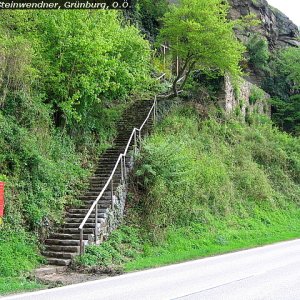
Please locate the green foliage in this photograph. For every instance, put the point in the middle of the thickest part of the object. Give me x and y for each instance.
(287, 114)
(43, 172)
(257, 94)
(283, 84)
(123, 244)
(99, 61)
(219, 235)
(289, 63)
(190, 166)
(80, 70)
(259, 53)
(17, 284)
(202, 37)
(150, 14)
(65, 78)
(18, 252)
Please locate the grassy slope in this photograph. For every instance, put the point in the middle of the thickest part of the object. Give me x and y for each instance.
(19, 254)
(196, 241)
(208, 187)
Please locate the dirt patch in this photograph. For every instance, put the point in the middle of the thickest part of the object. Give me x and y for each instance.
(56, 276)
(67, 278)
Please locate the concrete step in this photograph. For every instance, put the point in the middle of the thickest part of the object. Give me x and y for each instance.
(57, 248)
(101, 177)
(80, 219)
(76, 230)
(80, 211)
(66, 236)
(58, 261)
(101, 205)
(63, 255)
(86, 198)
(94, 193)
(77, 224)
(63, 242)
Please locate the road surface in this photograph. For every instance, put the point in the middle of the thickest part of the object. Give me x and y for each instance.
(270, 272)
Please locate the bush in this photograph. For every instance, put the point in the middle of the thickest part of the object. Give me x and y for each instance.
(18, 252)
(256, 94)
(123, 244)
(283, 84)
(259, 53)
(190, 166)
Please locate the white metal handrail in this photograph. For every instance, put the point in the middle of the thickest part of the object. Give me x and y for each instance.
(122, 162)
(160, 77)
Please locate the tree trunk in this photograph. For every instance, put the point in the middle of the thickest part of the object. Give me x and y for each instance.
(180, 73)
(192, 65)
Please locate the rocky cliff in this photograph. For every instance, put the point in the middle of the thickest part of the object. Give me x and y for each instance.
(275, 26)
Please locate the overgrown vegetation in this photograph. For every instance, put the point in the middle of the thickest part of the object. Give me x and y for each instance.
(62, 89)
(256, 94)
(211, 186)
(122, 246)
(259, 54)
(282, 82)
(205, 186)
(19, 255)
(149, 13)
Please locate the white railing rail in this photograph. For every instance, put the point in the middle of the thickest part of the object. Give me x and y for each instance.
(121, 162)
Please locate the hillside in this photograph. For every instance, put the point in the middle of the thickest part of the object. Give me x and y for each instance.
(220, 170)
(205, 186)
(62, 90)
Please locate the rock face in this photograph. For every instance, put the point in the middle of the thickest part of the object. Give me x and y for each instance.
(245, 100)
(279, 30)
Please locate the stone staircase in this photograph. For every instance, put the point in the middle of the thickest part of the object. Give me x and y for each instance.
(63, 244)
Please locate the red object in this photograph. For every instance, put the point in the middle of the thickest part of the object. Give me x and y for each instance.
(1, 198)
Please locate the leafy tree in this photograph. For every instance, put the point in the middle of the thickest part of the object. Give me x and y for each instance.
(258, 49)
(286, 113)
(203, 38)
(89, 65)
(150, 13)
(289, 63)
(283, 83)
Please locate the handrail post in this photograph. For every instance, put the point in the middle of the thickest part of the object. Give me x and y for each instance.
(140, 140)
(154, 110)
(135, 143)
(81, 241)
(122, 170)
(96, 223)
(112, 193)
(125, 171)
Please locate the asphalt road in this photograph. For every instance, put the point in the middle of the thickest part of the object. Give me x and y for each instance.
(270, 272)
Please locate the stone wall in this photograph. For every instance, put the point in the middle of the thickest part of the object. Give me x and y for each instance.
(244, 97)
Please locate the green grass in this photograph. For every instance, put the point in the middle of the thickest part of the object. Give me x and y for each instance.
(197, 241)
(17, 284)
(123, 245)
(18, 252)
(19, 255)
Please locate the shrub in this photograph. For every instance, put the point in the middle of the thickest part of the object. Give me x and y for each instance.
(190, 166)
(18, 252)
